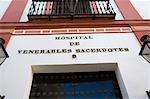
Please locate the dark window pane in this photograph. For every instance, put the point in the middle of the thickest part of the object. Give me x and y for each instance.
(99, 85)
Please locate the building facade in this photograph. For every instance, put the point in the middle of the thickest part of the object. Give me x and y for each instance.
(75, 50)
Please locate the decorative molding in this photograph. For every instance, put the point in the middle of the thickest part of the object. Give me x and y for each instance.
(73, 24)
(72, 30)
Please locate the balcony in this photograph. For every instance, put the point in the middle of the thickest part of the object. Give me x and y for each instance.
(70, 9)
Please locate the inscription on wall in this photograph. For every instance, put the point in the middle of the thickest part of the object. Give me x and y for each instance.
(85, 50)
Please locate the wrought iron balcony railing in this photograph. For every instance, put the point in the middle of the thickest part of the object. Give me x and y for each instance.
(57, 9)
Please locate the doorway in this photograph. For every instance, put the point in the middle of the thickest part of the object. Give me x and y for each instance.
(75, 85)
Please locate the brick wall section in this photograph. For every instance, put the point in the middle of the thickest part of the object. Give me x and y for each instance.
(6, 37)
(14, 11)
(128, 10)
(6, 34)
(12, 14)
(130, 13)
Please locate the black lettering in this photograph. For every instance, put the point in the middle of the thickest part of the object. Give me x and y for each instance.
(93, 50)
(36, 52)
(57, 38)
(80, 37)
(98, 50)
(126, 49)
(31, 52)
(53, 51)
(121, 49)
(85, 37)
(82, 51)
(64, 51)
(69, 50)
(62, 38)
(68, 37)
(90, 37)
(72, 37)
(42, 51)
(19, 51)
(78, 51)
(110, 50)
(71, 43)
(87, 50)
(104, 49)
(25, 52)
(48, 51)
(74, 43)
(76, 37)
(58, 51)
(115, 49)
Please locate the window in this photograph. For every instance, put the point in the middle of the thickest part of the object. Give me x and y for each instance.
(56, 9)
(78, 85)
